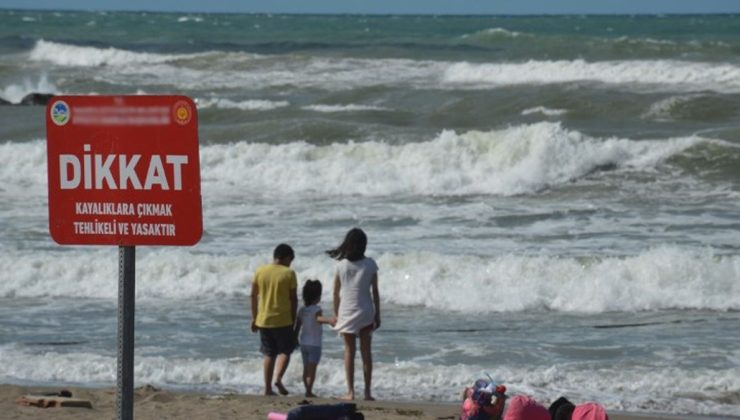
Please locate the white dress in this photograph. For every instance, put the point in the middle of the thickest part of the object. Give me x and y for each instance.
(356, 309)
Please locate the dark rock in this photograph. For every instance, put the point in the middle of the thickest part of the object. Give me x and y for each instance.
(36, 99)
(4, 102)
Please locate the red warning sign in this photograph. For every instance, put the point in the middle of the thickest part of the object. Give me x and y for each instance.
(123, 170)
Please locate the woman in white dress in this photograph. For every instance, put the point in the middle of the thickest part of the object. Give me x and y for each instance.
(356, 305)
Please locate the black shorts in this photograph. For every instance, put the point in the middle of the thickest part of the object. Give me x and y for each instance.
(274, 341)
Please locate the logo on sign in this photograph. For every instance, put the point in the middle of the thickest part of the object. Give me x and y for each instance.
(60, 113)
(182, 112)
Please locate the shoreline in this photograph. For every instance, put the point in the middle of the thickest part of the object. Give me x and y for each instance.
(151, 403)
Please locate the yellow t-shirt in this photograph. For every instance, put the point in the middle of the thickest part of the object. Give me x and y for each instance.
(275, 283)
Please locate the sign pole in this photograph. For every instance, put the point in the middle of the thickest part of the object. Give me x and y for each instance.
(126, 307)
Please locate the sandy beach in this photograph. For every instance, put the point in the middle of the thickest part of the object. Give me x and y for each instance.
(152, 403)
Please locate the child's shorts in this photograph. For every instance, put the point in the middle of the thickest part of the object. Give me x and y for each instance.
(311, 354)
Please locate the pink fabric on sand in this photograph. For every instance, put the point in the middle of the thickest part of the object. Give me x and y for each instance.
(589, 411)
(522, 407)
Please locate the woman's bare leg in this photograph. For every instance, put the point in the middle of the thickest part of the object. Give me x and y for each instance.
(350, 349)
(366, 340)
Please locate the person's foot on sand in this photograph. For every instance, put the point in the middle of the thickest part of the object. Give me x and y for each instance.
(347, 397)
(369, 397)
(311, 395)
(270, 393)
(281, 388)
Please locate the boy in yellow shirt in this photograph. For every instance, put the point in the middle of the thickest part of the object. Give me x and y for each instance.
(274, 306)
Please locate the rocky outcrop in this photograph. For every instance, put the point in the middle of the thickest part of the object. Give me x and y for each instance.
(33, 98)
(36, 99)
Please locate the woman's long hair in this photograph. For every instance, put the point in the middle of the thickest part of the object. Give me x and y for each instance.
(352, 248)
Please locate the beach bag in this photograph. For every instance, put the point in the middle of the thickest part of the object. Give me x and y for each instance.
(483, 401)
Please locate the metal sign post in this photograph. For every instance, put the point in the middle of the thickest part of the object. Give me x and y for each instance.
(126, 308)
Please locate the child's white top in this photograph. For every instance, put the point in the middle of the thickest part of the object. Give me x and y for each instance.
(310, 328)
(356, 308)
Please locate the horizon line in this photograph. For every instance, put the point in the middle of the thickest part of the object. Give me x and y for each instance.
(446, 14)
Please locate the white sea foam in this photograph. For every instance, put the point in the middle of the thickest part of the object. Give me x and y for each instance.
(618, 388)
(675, 74)
(73, 55)
(661, 110)
(549, 112)
(658, 278)
(247, 105)
(517, 160)
(344, 108)
(217, 70)
(496, 32)
(196, 19)
(16, 91)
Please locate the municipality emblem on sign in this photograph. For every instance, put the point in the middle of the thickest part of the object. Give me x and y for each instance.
(60, 113)
(182, 112)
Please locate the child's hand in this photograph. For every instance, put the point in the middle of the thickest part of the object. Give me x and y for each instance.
(333, 321)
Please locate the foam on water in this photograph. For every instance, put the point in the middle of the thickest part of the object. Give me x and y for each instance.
(344, 108)
(247, 105)
(494, 34)
(518, 160)
(14, 92)
(73, 55)
(683, 75)
(669, 389)
(548, 112)
(659, 278)
(661, 110)
(218, 69)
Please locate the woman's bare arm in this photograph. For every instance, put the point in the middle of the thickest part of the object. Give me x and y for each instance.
(376, 299)
(337, 288)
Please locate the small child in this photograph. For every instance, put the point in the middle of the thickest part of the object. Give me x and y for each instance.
(308, 323)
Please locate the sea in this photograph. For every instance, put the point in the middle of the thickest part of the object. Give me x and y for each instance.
(553, 201)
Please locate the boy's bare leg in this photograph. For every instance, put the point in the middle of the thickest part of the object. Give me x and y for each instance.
(281, 365)
(366, 339)
(350, 349)
(268, 365)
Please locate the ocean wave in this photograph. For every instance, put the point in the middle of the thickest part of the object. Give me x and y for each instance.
(73, 55)
(494, 33)
(14, 92)
(677, 74)
(548, 112)
(662, 109)
(658, 278)
(344, 108)
(632, 388)
(247, 105)
(196, 19)
(517, 160)
(221, 70)
(652, 45)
